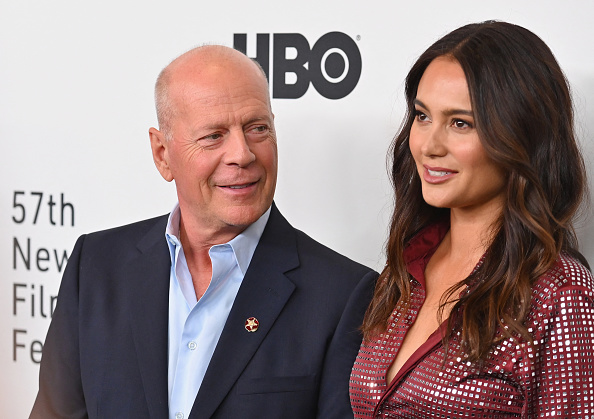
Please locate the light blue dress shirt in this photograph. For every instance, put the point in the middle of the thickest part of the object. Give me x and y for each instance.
(196, 325)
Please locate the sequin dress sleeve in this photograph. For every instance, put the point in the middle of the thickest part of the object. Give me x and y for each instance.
(563, 348)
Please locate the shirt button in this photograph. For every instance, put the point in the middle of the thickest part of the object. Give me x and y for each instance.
(192, 345)
(179, 415)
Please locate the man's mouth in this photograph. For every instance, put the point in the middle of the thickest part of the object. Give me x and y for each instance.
(243, 186)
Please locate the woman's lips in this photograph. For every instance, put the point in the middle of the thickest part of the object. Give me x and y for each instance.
(436, 175)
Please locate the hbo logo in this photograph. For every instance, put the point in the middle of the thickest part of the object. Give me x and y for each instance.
(332, 65)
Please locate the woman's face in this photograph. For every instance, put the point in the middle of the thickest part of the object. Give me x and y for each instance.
(454, 168)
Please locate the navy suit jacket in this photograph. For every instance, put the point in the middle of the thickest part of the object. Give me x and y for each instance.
(105, 355)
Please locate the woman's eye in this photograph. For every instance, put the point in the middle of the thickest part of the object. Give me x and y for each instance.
(459, 123)
(420, 116)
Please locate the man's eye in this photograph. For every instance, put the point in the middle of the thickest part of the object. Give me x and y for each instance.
(260, 128)
(212, 137)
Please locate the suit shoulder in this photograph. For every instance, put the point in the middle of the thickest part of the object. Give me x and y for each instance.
(135, 229)
(122, 237)
(313, 251)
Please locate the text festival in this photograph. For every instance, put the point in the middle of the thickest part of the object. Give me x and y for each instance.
(32, 299)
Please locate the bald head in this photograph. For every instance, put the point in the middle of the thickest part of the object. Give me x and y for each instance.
(201, 64)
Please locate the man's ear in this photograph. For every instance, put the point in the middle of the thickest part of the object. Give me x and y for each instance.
(159, 146)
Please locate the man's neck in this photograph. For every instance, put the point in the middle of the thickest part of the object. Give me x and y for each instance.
(196, 243)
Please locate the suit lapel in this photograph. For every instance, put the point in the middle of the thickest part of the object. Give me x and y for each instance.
(148, 274)
(263, 293)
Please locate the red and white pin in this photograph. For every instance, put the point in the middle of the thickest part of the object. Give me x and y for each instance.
(251, 324)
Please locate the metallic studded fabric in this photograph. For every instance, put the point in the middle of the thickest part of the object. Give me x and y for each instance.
(551, 378)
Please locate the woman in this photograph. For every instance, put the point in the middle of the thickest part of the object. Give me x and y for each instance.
(485, 308)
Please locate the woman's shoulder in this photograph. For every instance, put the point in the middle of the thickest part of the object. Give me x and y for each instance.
(566, 275)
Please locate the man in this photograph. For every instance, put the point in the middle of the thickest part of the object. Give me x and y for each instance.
(222, 309)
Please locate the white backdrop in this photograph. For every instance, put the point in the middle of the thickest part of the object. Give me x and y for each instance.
(76, 82)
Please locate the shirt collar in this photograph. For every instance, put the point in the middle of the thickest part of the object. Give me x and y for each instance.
(243, 245)
(422, 246)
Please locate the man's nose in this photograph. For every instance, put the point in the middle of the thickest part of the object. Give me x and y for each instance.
(238, 150)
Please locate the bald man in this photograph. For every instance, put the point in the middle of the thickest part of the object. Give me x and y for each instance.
(220, 309)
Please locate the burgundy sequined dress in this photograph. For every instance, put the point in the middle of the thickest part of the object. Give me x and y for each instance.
(552, 378)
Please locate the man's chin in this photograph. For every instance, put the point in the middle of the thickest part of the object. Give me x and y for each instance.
(243, 217)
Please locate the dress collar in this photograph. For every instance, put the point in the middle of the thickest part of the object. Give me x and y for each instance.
(422, 246)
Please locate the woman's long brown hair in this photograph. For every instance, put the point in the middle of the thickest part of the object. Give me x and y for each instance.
(524, 117)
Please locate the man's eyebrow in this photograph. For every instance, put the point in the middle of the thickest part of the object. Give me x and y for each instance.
(262, 119)
(256, 119)
(447, 112)
(213, 126)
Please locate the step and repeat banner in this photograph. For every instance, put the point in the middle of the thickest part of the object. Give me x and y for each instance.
(76, 103)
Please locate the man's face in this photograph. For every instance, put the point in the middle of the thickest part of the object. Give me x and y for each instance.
(222, 149)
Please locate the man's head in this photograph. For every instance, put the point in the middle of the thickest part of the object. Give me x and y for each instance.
(216, 139)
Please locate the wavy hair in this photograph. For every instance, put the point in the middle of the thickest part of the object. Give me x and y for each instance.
(524, 117)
